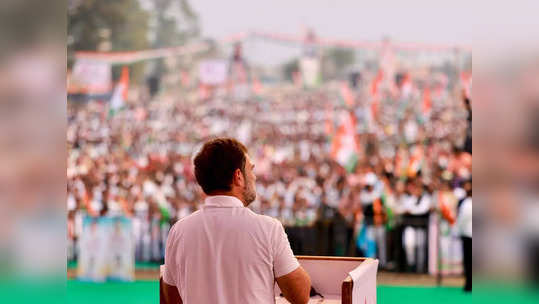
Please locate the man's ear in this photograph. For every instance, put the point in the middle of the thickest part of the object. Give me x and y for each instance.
(238, 179)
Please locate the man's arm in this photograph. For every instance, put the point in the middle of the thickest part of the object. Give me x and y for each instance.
(295, 286)
(170, 294)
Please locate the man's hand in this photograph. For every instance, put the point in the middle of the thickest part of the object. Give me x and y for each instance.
(169, 294)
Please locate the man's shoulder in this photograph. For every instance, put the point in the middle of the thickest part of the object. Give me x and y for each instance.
(264, 219)
(184, 221)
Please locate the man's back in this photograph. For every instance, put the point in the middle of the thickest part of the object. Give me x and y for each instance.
(225, 253)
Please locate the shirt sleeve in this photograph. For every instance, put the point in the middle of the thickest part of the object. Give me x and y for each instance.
(169, 276)
(284, 261)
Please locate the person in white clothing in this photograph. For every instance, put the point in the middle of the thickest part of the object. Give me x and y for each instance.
(224, 252)
(464, 225)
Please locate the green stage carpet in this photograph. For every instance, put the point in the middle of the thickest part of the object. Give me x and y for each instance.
(146, 292)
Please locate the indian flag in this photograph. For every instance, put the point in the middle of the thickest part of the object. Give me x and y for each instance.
(344, 146)
(120, 92)
(347, 94)
(427, 102)
(416, 161)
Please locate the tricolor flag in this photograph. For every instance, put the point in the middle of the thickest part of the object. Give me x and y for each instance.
(427, 101)
(347, 94)
(416, 161)
(120, 92)
(466, 82)
(344, 147)
(185, 79)
(375, 95)
(257, 86)
(376, 83)
(406, 86)
(203, 91)
(375, 105)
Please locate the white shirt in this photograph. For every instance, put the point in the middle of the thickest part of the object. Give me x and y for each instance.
(464, 219)
(409, 204)
(225, 253)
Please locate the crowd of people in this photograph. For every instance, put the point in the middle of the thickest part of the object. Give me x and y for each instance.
(413, 167)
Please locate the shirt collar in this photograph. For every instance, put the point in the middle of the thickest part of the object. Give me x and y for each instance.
(222, 201)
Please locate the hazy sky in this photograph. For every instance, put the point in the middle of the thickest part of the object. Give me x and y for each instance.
(405, 21)
(465, 22)
(410, 20)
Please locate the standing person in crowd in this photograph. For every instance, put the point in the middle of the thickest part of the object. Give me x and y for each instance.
(464, 225)
(416, 207)
(336, 190)
(468, 140)
(396, 246)
(374, 216)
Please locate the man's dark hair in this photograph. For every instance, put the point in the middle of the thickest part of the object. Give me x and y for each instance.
(216, 163)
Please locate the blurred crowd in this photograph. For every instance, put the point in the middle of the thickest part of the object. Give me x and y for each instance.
(413, 167)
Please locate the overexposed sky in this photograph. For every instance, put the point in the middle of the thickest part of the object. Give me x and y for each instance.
(407, 21)
(462, 22)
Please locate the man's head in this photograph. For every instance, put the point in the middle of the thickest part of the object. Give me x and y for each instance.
(223, 167)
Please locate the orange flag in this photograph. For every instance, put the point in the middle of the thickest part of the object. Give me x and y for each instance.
(427, 101)
(376, 83)
(124, 80)
(347, 94)
(257, 86)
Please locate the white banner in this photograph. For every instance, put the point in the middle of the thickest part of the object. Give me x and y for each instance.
(310, 70)
(106, 250)
(213, 72)
(90, 77)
